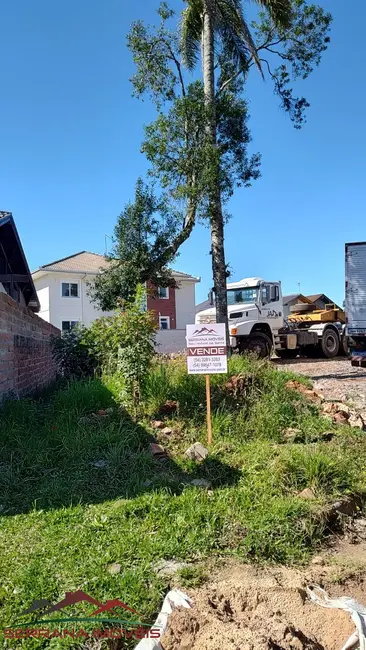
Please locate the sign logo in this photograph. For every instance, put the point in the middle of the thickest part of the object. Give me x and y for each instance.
(204, 331)
(102, 614)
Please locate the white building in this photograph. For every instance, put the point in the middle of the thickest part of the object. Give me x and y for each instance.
(62, 289)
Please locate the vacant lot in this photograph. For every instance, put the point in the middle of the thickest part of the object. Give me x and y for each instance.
(86, 505)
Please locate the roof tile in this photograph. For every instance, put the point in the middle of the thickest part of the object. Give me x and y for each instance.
(85, 262)
(82, 262)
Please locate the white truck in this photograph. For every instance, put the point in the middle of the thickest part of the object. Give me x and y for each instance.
(257, 324)
(356, 301)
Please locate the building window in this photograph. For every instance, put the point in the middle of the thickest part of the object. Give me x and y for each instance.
(164, 322)
(163, 292)
(69, 289)
(68, 325)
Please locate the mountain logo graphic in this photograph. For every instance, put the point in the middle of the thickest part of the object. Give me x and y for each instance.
(45, 607)
(204, 331)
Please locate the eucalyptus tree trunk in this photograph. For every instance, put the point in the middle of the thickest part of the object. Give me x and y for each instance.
(215, 205)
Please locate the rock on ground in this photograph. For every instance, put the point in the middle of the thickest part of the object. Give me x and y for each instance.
(308, 493)
(114, 568)
(168, 568)
(157, 424)
(99, 464)
(197, 452)
(167, 431)
(201, 482)
(158, 452)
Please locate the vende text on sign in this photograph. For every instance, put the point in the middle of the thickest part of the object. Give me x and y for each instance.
(206, 349)
(206, 352)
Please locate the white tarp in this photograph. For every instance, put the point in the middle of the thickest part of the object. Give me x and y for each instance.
(173, 599)
(355, 609)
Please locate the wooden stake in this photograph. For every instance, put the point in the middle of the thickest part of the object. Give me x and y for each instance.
(208, 404)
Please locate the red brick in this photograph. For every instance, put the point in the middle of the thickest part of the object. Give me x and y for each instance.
(24, 364)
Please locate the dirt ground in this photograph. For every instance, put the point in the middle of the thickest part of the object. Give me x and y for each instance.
(335, 378)
(251, 608)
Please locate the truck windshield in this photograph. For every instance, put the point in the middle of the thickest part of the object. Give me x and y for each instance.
(247, 294)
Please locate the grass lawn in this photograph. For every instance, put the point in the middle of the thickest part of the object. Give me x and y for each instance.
(65, 516)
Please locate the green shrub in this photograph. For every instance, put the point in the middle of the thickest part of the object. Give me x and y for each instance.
(103, 339)
(73, 355)
(136, 330)
(122, 345)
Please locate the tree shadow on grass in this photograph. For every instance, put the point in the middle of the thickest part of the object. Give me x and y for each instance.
(55, 453)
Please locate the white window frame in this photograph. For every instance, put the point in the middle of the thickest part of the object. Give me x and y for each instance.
(165, 318)
(70, 282)
(167, 293)
(68, 320)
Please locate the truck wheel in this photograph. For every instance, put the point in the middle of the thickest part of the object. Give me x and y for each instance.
(302, 307)
(287, 354)
(259, 344)
(329, 344)
(344, 346)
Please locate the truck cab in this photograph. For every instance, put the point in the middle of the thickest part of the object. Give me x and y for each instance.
(255, 311)
(257, 324)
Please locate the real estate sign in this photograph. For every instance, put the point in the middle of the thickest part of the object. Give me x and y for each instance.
(206, 349)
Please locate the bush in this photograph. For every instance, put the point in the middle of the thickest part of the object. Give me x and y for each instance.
(72, 354)
(136, 349)
(103, 339)
(122, 344)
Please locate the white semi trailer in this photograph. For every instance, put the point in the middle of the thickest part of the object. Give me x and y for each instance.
(356, 301)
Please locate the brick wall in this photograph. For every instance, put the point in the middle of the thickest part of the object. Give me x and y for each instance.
(162, 306)
(26, 362)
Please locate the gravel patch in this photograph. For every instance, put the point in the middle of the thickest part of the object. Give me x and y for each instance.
(335, 378)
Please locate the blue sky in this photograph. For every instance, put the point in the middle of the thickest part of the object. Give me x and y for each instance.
(70, 136)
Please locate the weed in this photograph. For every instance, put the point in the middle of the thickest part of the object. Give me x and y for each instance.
(318, 469)
(192, 576)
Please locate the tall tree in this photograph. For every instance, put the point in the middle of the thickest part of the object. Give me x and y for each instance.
(151, 229)
(176, 143)
(202, 22)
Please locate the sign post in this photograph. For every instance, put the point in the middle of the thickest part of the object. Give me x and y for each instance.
(207, 355)
(208, 406)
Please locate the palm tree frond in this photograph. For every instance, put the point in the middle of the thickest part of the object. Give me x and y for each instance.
(279, 10)
(236, 33)
(190, 32)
